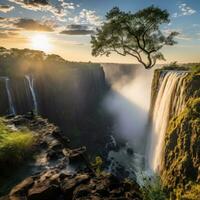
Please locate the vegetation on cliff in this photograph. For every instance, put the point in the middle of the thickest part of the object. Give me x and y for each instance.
(15, 145)
(181, 160)
(17, 62)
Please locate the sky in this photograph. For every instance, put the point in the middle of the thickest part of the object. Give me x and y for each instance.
(64, 27)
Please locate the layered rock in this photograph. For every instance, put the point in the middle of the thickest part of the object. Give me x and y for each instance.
(56, 185)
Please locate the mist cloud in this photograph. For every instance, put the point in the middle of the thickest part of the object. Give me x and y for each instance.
(129, 103)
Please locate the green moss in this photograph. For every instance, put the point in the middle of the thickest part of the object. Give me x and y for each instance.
(14, 145)
(192, 192)
(152, 189)
(182, 153)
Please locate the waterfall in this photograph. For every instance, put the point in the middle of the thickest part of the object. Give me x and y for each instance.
(10, 100)
(30, 81)
(169, 102)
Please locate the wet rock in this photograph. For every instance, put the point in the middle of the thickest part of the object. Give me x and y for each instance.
(44, 192)
(81, 191)
(74, 155)
(129, 151)
(68, 185)
(4, 198)
(21, 188)
(54, 155)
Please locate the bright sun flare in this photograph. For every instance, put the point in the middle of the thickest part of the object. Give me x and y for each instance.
(40, 42)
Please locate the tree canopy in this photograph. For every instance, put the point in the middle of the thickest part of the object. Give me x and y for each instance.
(135, 34)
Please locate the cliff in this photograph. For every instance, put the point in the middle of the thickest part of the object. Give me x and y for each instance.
(59, 172)
(182, 142)
(180, 154)
(69, 94)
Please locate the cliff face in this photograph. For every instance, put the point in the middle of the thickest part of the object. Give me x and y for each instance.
(180, 158)
(69, 94)
(182, 140)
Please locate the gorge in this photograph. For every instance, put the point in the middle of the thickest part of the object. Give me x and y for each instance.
(111, 109)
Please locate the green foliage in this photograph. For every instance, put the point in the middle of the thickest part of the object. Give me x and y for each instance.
(193, 67)
(14, 145)
(192, 192)
(182, 160)
(152, 189)
(196, 68)
(175, 66)
(97, 164)
(18, 62)
(134, 34)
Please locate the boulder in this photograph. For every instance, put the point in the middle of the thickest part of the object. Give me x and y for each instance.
(68, 185)
(21, 189)
(44, 192)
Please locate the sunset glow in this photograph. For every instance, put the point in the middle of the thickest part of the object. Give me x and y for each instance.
(40, 42)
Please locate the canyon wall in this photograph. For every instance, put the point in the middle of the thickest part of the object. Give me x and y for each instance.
(69, 94)
(176, 98)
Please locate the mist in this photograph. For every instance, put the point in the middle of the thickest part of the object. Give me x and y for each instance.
(128, 102)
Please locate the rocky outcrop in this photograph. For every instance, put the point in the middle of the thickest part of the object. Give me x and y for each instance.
(59, 172)
(56, 185)
(51, 149)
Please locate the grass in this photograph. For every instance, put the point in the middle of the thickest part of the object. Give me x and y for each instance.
(152, 189)
(14, 145)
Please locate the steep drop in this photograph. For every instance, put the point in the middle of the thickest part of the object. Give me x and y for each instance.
(169, 102)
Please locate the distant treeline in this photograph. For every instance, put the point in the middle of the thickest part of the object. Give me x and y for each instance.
(22, 61)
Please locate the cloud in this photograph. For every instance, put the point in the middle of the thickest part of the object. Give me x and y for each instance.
(87, 17)
(31, 4)
(184, 10)
(8, 34)
(7, 23)
(59, 8)
(77, 32)
(5, 8)
(33, 25)
(77, 29)
(180, 36)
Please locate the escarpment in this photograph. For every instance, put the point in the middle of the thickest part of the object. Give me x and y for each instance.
(178, 141)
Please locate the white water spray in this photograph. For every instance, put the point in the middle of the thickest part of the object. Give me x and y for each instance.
(30, 81)
(169, 102)
(129, 101)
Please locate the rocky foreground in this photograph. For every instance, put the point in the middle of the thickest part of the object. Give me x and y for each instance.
(64, 173)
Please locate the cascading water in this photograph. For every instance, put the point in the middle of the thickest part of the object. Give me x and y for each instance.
(169, 102)
(30, 81)
(10, 100)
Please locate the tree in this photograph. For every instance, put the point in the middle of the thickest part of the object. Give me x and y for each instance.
(135, 34)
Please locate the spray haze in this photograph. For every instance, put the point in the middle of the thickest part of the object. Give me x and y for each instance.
(129, 101)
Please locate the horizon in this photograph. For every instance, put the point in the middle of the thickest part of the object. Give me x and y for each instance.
(64, 28)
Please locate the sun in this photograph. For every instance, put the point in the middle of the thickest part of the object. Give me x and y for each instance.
(40, 42)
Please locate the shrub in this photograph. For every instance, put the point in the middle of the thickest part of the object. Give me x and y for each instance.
(14, 145)
(97, 164)
(152, 189)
